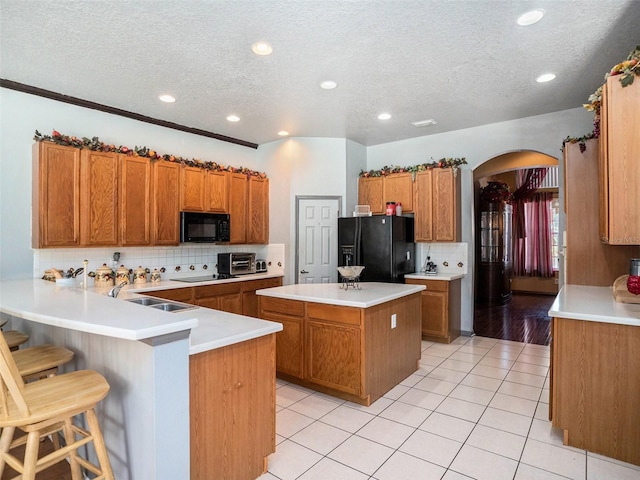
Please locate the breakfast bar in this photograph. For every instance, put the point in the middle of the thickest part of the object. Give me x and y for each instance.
(352, 341)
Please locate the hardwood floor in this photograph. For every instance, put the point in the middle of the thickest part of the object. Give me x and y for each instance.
(59, 471)
(523, 319)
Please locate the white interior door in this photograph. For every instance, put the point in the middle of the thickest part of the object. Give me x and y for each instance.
(317, 238)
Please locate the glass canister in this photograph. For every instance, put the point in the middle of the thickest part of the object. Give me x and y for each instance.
(633, 282)
(139, 275)
(122, 275)
(104, 276)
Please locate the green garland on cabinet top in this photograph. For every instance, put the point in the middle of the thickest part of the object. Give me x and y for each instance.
(96, 145)
(442, 163)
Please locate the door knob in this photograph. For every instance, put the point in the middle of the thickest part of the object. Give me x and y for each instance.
(303, 271)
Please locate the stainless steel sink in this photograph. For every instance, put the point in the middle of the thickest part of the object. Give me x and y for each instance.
(146, 300)
(161, 304)
(172, 307)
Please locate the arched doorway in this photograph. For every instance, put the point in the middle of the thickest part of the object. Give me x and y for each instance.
(522, 318)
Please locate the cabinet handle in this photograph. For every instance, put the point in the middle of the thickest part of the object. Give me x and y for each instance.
(238, 385)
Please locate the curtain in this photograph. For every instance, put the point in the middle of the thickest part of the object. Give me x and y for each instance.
(532, 251)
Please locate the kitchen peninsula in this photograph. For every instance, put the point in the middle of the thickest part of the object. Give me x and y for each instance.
(595, 386)
(355, 343)
(154, 362)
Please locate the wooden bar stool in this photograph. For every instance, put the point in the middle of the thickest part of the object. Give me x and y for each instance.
(48, 406)
(40, 361)
(15, 338)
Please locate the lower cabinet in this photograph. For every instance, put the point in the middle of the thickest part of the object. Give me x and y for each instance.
(226, 297)
(440, 309)
(290, 340)
(232, 410)
(176, 294)
(250, 306)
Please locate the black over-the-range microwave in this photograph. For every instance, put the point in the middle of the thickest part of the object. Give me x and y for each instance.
(204, 227)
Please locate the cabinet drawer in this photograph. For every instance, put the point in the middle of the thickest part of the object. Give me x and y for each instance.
(217, 290)
(433, 285)
(177, 294)
(279, 305)
(253, 285)
(333, 313)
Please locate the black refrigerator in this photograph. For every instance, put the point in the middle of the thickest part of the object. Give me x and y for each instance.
(382, 244)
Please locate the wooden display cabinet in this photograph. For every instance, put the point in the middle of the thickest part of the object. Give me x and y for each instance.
(619, 165)
(440, 309)
(494, 255)
(135, 200)
(56, 196)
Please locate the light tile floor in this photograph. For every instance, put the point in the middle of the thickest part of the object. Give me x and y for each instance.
(476, 409)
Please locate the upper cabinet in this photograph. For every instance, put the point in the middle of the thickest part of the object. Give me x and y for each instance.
(193, 181)
(135, 198)
(56, 195)
(370, 192)
(165, 224)
(258, 210)
(99, 198)
(437, 205)
(217, 191)
(238, 188)
(620, 163)
(377, 191)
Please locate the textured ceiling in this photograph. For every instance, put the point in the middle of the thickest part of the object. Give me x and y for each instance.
(463, 63)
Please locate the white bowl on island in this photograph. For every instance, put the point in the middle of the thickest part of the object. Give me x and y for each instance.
(351, 272)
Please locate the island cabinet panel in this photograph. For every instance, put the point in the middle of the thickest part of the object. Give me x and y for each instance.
(440, 309)
(232, 410)
(99, 198)
(290, 340)
(217, 192)
(619, 165)
(595, 389)
(370, 192)
(226, 297)
(250, 304)
(135, 200)
(56, 196)
(193, 181)
(333, 347)
(166, 203)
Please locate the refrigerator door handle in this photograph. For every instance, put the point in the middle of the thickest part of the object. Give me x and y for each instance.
(408, 255)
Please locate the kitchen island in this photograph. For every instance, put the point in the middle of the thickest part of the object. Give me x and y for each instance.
(160, 367)
(595, 360)
(355, 343)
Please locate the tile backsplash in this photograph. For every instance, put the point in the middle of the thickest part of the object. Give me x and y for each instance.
(184, 256)
(450, 258)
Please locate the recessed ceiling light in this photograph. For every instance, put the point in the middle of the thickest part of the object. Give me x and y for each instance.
(384, 116)
(233, 118)
(530, 17)
(261, 48)
(167, 98)
(283, 133)
(547, 77)
(328, 85)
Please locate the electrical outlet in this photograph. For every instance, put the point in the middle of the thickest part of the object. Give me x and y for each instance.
(555, 281)
(393, 320)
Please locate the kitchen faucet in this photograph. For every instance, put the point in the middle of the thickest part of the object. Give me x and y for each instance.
(116, 290)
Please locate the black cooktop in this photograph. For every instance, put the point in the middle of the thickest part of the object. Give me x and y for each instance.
(203, 278)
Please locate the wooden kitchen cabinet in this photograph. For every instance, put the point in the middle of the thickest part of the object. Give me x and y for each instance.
(217, 192)
(135, 200)
(290, 340)
(440, 309)
(595, 386)
(370, 192)
(185, 295)
(258, 211)
(225, 296)
(193, 185)
(56, 196)
(619, 165)
(250, 306)
(398, 187)
(437, 205)
(238, 188)
(232, 410)
(165, 225)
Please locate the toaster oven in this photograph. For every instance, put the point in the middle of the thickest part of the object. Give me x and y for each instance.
(236, 263)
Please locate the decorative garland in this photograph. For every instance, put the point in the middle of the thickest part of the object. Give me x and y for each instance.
(96, 145)
(581, 141)
(442, 163)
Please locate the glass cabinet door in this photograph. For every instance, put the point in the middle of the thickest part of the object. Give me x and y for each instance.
(489, 236)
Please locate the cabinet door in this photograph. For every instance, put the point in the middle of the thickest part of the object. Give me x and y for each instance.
(56, 192)
(250, 305)
(177, 294)
(231, 303)
(166, 203)
(445, 224)
(217, 192)
(423, 220)
(232, 410)
(290, 340)
(135, 197)
(621, 122)
(434, 314)
(192, 189)
(258, 213)
(370, 192)
(238, 186)
(99, 198)
(398, 187)
(333, 355)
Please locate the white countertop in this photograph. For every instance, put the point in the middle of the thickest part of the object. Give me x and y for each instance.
(92, 311)
(596, 304)
(438, 276)
(371, 293)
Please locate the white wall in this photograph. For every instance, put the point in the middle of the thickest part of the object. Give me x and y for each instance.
(542, 133)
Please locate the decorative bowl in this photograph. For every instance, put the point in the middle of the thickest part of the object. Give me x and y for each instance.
(351, 272)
